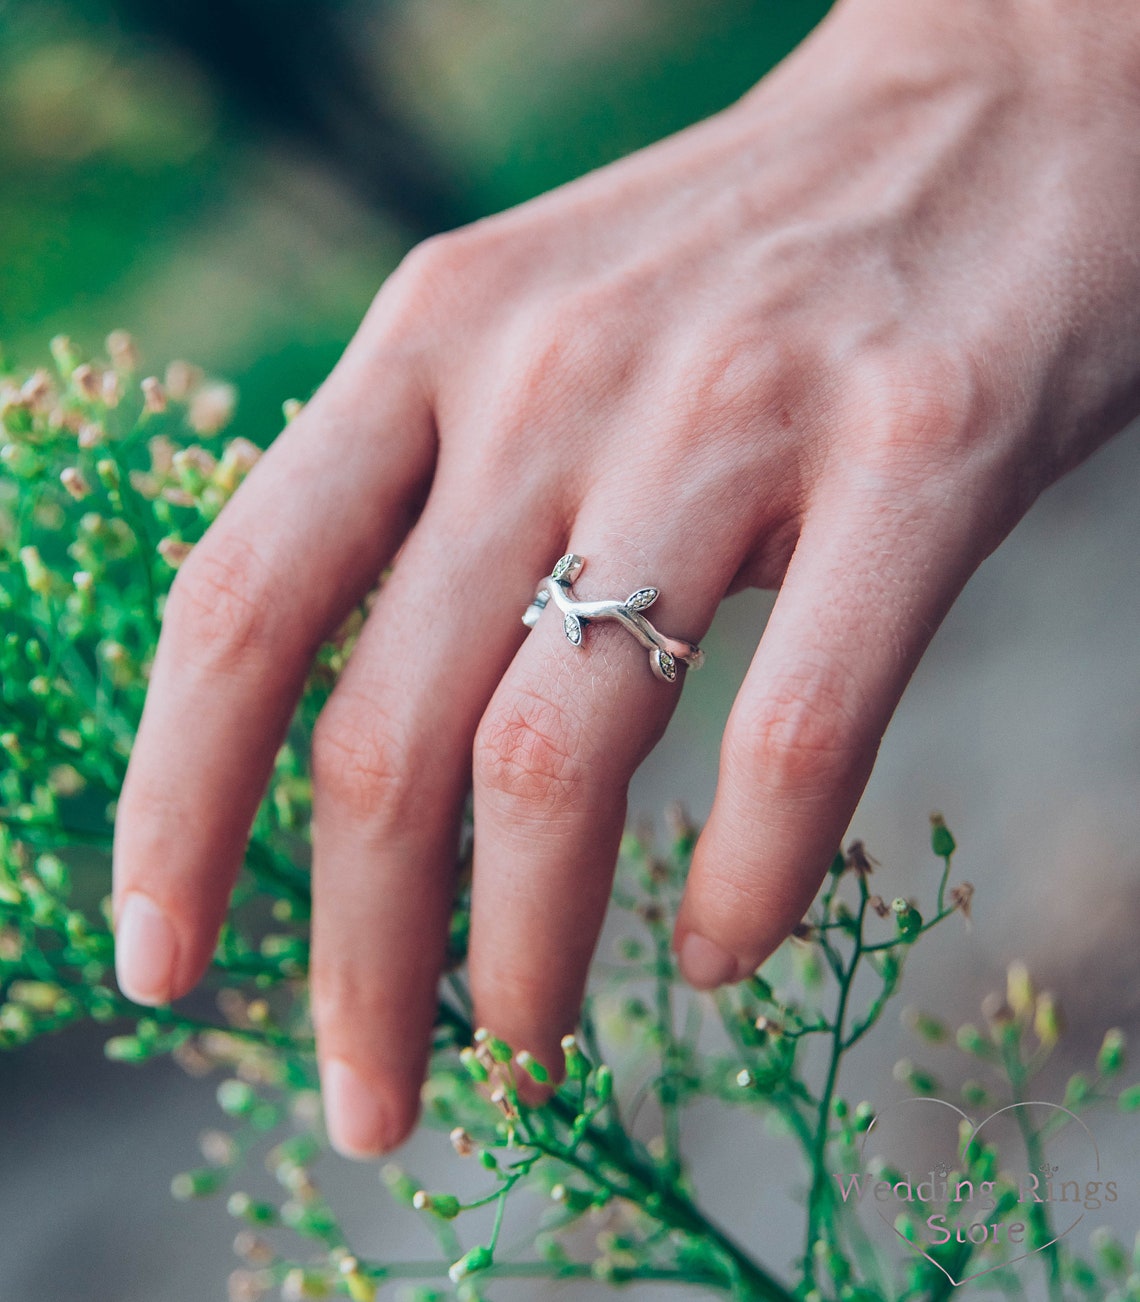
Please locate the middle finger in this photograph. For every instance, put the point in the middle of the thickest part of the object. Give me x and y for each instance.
(553, 758)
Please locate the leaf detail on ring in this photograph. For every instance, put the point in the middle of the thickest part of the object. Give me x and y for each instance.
(572, 627)
(642, 599)
(665, 664)
(560, 571)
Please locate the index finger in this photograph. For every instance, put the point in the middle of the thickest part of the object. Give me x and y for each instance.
(302, 540)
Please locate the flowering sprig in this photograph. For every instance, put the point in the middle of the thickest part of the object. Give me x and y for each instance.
(108, 478)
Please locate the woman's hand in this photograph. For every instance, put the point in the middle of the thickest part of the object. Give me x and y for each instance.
(835, 340)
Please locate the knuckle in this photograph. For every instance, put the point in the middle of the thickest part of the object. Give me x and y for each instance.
(802, 738)
(221, 605)
(341, 995)
(361, 763)
(525, 755)
(562, 356)
(747, 379)
(929, 405)
(426, 284)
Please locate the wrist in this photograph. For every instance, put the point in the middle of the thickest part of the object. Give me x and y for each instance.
(1073, 51)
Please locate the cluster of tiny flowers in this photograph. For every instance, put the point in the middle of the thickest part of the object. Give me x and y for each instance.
(109, 476)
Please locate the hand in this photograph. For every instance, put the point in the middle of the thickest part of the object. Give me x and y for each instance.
(836, 340)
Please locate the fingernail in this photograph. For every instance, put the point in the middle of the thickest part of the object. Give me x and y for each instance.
(354, 1113)
(146, 949)
(705, 965)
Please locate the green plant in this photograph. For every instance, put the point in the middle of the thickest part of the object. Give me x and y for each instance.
(106, 484)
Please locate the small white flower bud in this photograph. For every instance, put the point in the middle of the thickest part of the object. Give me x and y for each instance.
(144, 484)
(72, 479)
(154, 395)
(122, 351)
(181, 380)
(161, 454)
(87, 382)
(211, 408)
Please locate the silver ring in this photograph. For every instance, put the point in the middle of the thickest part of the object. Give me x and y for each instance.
(664, 652)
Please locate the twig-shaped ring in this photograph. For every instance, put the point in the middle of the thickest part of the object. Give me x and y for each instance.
(664, 652)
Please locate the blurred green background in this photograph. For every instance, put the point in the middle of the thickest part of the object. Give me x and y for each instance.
(232, 181)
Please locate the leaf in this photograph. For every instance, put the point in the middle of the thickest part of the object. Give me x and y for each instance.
(642, 599)
(563, 567)
(664, 665)
(572, 627)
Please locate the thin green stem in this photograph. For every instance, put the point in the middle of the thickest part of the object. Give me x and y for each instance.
(818, 1195)
(942, 884)
(929, 925)
(1038, 1211)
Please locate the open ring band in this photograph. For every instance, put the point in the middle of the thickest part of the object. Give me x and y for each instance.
(664, 652)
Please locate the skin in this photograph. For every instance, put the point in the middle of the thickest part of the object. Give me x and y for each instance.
(834, 340)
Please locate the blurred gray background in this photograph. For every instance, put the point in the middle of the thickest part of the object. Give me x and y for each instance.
(232, 183)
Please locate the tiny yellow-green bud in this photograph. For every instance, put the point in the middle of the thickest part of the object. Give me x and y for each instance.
(532, 1066)
(1019, 993)
(50, 869)
(941, 842)
(904, 1226)
(36, 573)
(577, 1065)
(236, 1098)
(1109, 1251)
(479, 1258)
(603, 1084)
(197, 1184)
(907, 918)
(443, 1205)
(499, 1050)
(574, 1200)
(15, 1019)
(914, 1078)
(108, 472)
(64, 354)
(1077, 1090)
(1110, 1057)
(974, 1094)
(242, 1207)
(1129, 1099)
(126, 1048)
(475, 1068)
(1048, 1024)
(39, 996)
(360, 1287)
(924, 1025)
(400, 1185)
(300, 1285)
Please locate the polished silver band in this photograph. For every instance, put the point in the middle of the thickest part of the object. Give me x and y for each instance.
(664, 652)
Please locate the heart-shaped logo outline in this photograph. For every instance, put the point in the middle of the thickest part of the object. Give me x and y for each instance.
(1009, 1107)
